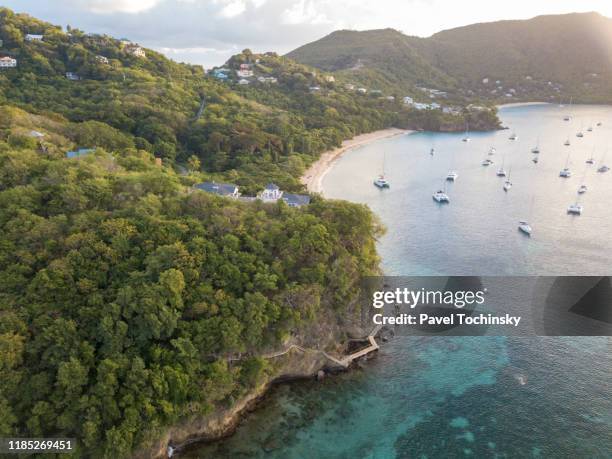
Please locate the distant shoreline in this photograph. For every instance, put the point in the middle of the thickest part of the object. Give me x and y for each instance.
(522, 104)
(313, 177)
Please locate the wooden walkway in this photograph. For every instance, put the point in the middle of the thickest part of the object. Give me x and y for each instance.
(346, 361)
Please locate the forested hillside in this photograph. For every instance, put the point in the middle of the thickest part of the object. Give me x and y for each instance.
(123, 292)
(544, 58)
(250, 135)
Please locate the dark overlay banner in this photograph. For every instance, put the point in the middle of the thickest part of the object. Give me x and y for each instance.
(493, 306)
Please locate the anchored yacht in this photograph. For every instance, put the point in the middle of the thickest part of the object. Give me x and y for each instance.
(452, 176)
(513, 136)
(492, 151)
(441, 197)
(524, 227)
(603, 168)
(567, 142)
(582, 189)
(507, 185)
(575, 209)
(565, 172)
(487, 162)
(381, 182)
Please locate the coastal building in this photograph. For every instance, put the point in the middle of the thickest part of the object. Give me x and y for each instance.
(434, 106)
(135, 50)
(245, 66)
(7, 62)
(314, 89)
(102, 59)
(408, 100)
(263, 79)
(36, 134)
(271, 193)
(33, 37)
(390, 98)
(296, 200)
(330, 78)
(243, 82)
(79, 152)
(485, 81)
(228, 190)
(362, 90)
(376, 92)
(73, 76)
(244, 73)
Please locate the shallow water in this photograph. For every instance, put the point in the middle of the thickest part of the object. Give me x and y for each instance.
(498, 397)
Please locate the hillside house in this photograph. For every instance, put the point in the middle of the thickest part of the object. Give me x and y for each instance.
(102, 59)
(34, 37)
(245, 66)
(243, 82)
(79, 152)
(73, 76)
(135, 50)
(314, 88)
(408, 100)
(296, 200)
(228, 190)
(7, 62)
(263, 79)
(36, 134)
(330, 78)
(271, 193)
(362, 90)
(244, 73)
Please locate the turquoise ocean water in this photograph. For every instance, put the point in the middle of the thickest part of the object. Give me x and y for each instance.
(492, 397)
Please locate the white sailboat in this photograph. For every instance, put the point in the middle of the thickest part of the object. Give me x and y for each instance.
(591, 160)
(492, 151)
(603, 168)
(583, 188)
(580, 134)
(524, 225)
(536, 149)
(501, 172)
(507, 183)
(568, 117)
(466, 138)
(381, 182)
(567, 142)
(513, 136)
(566, 172)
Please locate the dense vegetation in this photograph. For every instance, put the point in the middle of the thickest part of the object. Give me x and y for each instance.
(571, 51)
(123, 293)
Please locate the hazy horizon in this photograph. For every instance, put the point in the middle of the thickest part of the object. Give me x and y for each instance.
(209, 32)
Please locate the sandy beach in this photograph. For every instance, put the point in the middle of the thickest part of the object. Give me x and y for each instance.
(521, 104)
(313, 177)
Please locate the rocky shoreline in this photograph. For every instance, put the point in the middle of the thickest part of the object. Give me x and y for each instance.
(222, 422)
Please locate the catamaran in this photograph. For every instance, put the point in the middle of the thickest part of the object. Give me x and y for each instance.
(565, 172)
(575, 209)
(441, 197)
(381, 181)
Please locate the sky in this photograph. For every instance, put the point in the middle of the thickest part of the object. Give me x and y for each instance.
(208, 32)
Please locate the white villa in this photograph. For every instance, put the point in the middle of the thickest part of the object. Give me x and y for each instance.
(330, 78)
(135, 50)
(243, 82)
(33, 37)
(7, 62)
(271, 193)
(102, 59)
(244, 73)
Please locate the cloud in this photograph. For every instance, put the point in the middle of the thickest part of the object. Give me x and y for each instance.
(115, 6)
